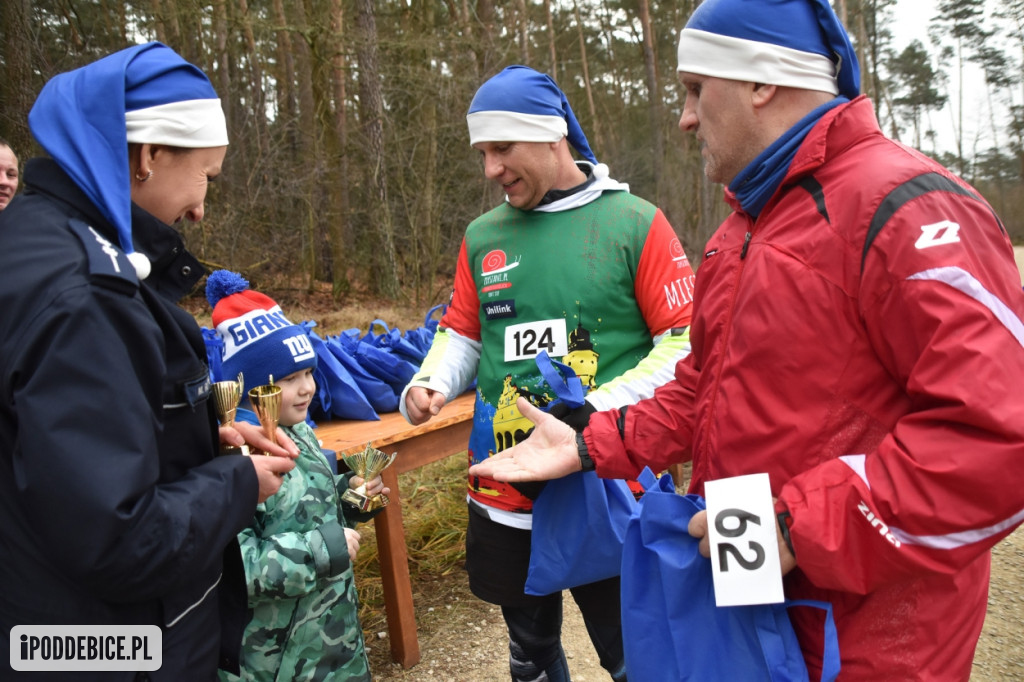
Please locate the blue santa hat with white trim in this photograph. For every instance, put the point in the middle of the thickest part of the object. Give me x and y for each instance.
(520, 104)
(795, 43)
(259, 341)
(145, 94)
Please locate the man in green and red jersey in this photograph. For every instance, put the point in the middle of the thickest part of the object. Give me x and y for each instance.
(572, 264)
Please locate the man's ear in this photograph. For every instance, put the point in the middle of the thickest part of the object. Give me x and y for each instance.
(762, 94)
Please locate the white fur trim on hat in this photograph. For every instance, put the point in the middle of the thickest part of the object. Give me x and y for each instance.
(197, 123)
(719, 56)
(512, 126)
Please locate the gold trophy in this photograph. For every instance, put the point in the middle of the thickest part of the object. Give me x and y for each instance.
(367, 464)
(226, 396)
(266, 403)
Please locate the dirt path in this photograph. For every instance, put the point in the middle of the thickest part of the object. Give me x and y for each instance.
(469, 643)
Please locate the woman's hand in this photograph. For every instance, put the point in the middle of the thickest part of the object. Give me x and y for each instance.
(245, 433)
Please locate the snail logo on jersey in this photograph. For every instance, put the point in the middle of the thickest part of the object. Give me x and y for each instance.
(494, 269)
(675, 250)
(499, 310)
(937, 234)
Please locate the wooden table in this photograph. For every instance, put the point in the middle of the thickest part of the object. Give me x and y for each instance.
(444, 435)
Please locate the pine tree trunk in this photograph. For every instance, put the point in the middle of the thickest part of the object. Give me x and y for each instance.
(385, 271)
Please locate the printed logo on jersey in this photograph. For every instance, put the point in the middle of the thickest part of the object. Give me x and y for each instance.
(679, 292)
(937, 234)
(499, 310)
(675, 250)
(494, 269)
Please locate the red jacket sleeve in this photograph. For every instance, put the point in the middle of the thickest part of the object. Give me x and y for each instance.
(655, 432)
(943, 486)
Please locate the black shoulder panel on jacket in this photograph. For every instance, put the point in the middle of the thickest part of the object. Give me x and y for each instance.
(904, 192)
(811, 184)
(109, 266)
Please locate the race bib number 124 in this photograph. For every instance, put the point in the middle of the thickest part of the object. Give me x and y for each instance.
(527, 340)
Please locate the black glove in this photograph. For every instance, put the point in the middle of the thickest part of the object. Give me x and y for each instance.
(576, 417)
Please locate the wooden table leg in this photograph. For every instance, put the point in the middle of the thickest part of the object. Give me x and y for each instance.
(394, 571)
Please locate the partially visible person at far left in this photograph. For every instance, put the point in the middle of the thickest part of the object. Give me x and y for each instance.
(115, 509)
(8, 173)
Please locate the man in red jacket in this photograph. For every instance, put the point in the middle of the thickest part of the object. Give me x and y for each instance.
(857, 335)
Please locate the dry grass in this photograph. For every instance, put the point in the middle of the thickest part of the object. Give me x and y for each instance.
(434, 512)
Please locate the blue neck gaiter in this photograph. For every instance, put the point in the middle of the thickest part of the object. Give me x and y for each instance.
(756, 183)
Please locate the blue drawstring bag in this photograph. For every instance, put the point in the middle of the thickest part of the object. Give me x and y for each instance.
(430, 323)
(390, 368)
(392, 341)
(579, 521)
(422, 337)
(378, 393)
(672, 629)
(338, 395)
(214, 352)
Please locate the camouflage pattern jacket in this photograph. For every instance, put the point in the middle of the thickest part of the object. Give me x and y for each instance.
(303, 608)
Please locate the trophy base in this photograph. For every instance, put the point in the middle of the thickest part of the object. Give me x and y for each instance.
(364, 503)
(378, 502)
(234, 450)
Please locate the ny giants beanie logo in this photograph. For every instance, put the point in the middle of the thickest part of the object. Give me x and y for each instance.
(255, 325)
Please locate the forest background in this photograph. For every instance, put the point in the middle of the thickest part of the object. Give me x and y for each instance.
(350, 170)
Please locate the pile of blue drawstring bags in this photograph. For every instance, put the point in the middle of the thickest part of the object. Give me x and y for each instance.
(358, 375)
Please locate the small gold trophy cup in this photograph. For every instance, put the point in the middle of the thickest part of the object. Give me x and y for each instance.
(226, 396)
(266, 403)
(367, 465)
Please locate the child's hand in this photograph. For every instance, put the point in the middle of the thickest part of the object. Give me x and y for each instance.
(373, 488)
(353, 537)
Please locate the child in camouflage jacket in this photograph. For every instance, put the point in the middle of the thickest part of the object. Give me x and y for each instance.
(299, 548)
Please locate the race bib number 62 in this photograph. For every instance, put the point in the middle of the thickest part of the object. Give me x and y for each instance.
(744, 545)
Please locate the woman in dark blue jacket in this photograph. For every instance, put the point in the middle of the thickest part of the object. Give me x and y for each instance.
(114, 507)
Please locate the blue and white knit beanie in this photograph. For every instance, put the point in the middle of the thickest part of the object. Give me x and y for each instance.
(144, 94)
(794, 43)
(523, 105)
(259, 341)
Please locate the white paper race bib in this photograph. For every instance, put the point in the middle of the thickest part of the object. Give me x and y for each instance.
(744, 542)
(527, 340)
